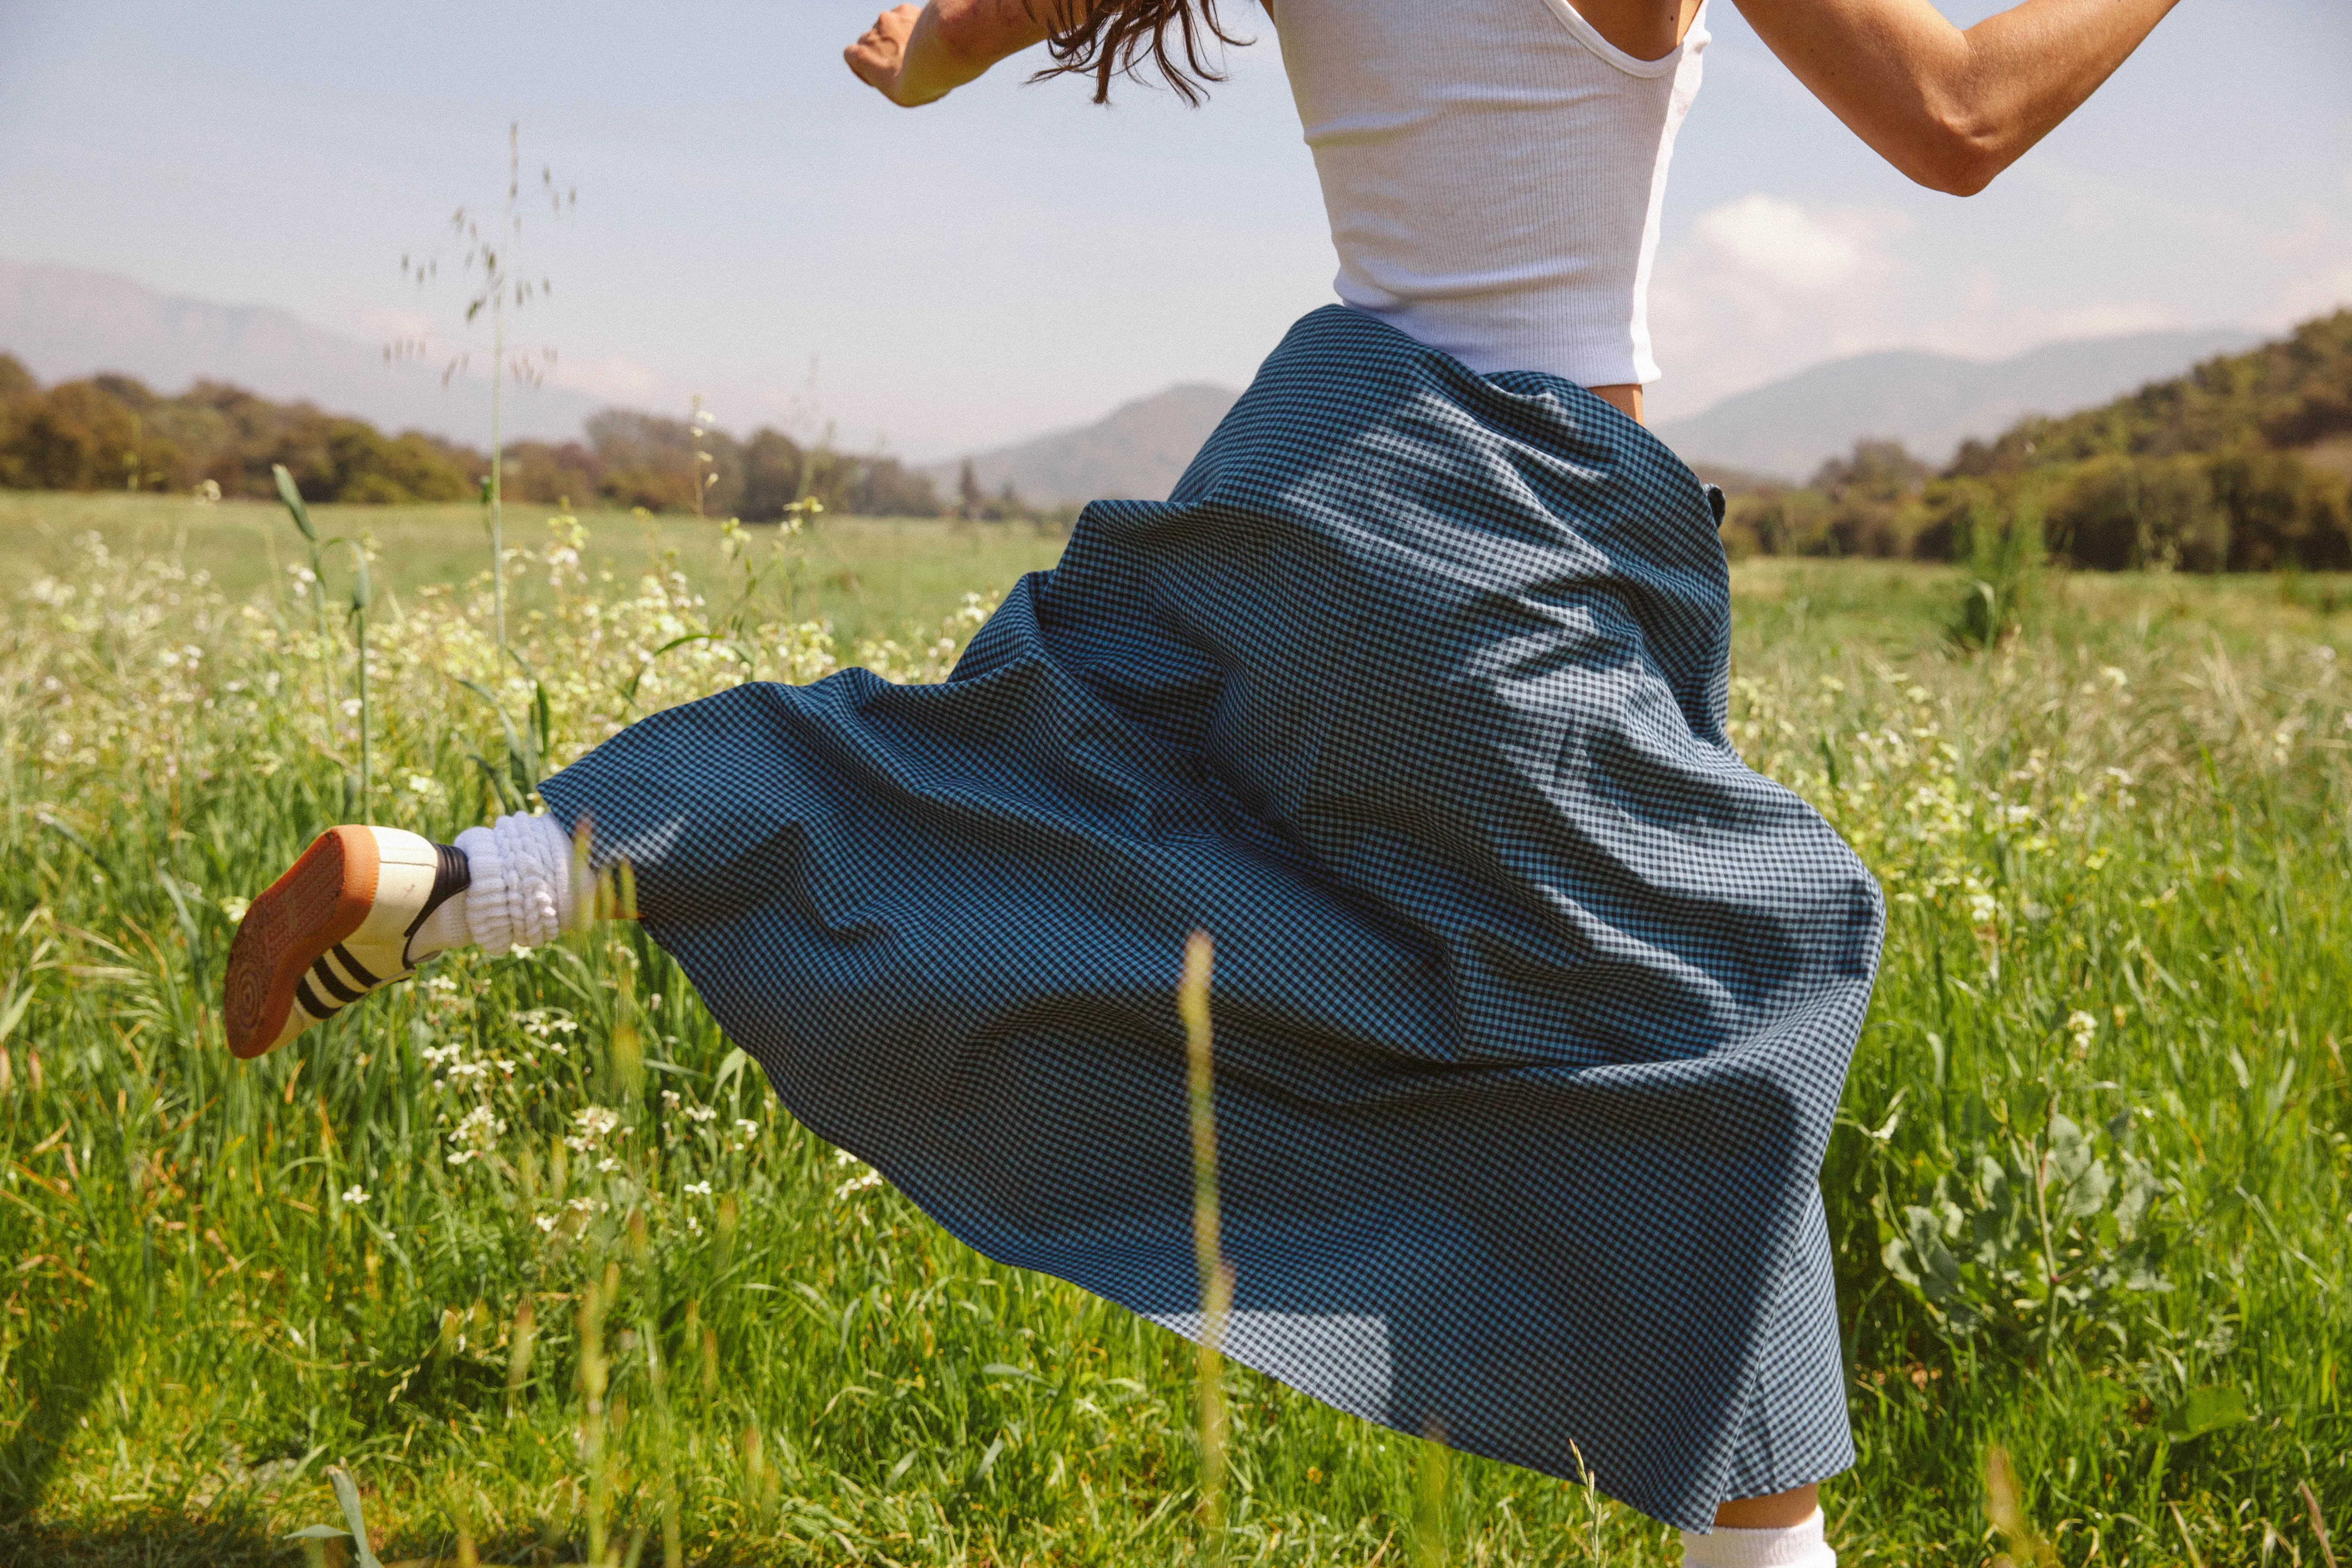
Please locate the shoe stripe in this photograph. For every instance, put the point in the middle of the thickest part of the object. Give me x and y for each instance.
(353, 967)
(452, 875)
(334, 986)
(310, 1003)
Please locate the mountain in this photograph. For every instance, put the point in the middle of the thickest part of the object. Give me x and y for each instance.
(1785, 430)
(1135, 452)
(68, 321)
(2291, 395)
(1929, 402)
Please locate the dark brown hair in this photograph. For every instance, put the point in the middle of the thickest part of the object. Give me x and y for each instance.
(1106, 38)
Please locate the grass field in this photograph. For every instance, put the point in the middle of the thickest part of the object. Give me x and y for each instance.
(871, 577)
(528, 1251)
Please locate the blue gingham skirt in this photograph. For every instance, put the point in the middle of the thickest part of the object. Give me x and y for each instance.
(1533, 1003)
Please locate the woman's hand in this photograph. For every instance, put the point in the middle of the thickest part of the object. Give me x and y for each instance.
(914, 55)
(879, 55)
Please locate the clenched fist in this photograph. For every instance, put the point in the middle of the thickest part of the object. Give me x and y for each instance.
(879, 56)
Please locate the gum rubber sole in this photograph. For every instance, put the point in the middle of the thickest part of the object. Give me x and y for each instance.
(322, 898)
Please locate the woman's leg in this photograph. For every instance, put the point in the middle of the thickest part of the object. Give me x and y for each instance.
(1781, 1531)
(1777, 1511)
(364, 906)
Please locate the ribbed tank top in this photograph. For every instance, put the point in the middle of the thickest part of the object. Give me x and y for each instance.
(1493, 169)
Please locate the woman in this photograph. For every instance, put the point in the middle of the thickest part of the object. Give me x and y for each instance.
(1534, 1004)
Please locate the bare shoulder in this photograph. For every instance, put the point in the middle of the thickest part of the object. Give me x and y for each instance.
(1645, 29)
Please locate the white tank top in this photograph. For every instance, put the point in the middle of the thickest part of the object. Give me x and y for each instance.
(1493, 169)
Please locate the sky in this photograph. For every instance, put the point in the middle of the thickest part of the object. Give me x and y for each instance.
(754, 225)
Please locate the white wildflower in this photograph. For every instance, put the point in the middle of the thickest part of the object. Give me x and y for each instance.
(593, 1123)
(2083, 1028)
(474, 1136)
(355, 1196)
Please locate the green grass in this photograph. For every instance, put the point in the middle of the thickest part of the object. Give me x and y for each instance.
(872, 577)
(2089, 1190)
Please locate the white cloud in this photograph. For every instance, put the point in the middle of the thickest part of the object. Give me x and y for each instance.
(1773, 241)
(1765, 284)
(615, 378)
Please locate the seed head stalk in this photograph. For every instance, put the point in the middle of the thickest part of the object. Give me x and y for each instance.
(497, 289)
(290, 495)
(498, 467)
(497, 388)
(593, 1304)
(362, 595)
(1216, 1278)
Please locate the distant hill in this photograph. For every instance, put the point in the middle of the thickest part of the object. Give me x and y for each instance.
(2291, 394)
(2240, 463)
(1929, 402)
(67, 321)
(1137, 452)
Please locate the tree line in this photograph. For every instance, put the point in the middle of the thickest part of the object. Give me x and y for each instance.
(2243, 464)
(114, 433)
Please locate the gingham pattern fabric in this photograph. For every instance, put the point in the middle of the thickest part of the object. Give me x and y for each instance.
(1532, 1002)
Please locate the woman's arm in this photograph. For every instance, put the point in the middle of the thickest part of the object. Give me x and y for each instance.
(915, 55)
(1952, 109)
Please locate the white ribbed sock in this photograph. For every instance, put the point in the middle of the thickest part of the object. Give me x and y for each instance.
(521, 893)
(1802, 1545)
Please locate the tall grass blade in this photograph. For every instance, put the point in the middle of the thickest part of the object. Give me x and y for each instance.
(347, 1494)
(1433, 1498)
(1216, 1278)
(2188, 1541)
(2318, 1522)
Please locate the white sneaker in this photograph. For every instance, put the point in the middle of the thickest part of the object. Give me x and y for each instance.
(341, 923)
